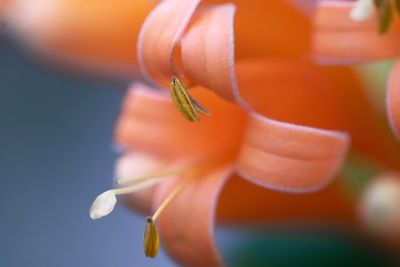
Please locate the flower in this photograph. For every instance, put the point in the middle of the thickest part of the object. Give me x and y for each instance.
(230, 141)
(339, 39)
(98, 36)
(228, 159)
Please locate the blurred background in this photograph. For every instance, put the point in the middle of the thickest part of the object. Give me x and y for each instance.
(56, 155)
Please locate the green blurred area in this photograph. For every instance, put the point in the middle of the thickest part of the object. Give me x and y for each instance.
(298, 247)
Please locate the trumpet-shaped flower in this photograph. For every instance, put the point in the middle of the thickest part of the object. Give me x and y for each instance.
(228, 159)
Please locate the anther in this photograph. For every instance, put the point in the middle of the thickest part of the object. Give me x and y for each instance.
(151, 239)
(185, 103)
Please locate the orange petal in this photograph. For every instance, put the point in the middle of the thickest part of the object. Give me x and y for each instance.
(94, 35)
(136, 164)
(258, 205)
(324, 97)
(159, 36)
(393, 99)
(151, 122)
(339, 39)
(207, 47)
(208, 51)
(259, 27)
(288, 157)
(186, 226)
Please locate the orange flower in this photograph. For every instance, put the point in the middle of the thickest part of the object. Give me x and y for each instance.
(95, 35)
(100, 36)
(341, 38)
(182, 169)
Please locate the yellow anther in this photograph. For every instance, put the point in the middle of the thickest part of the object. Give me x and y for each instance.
(151, 240)
(184, 102)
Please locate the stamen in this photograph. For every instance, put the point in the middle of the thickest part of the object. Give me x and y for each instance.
(362, 10)
(131, 180)
(185, 103)
(151, 240)
(151, 237)
(170, 198)
(204, 163)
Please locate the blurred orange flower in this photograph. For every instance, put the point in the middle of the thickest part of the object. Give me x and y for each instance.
(341, 39)
(99, 36)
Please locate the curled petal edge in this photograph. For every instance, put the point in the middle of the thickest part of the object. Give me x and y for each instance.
(290, 158)
(203, 34)
(159, 36)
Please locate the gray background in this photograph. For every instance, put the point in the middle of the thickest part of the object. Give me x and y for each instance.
(55, 156)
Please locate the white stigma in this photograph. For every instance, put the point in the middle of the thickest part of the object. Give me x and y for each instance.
(362, 10)
(103, 205)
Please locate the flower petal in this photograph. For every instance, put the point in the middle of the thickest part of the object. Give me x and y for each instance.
(135, 164)
(322, 97)
(150, 122)
(259, 26)
(288, 157)
(160, 34)
(254, 204)
(393, 99)
(208, 51)
(186, 226)
(339, 39)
